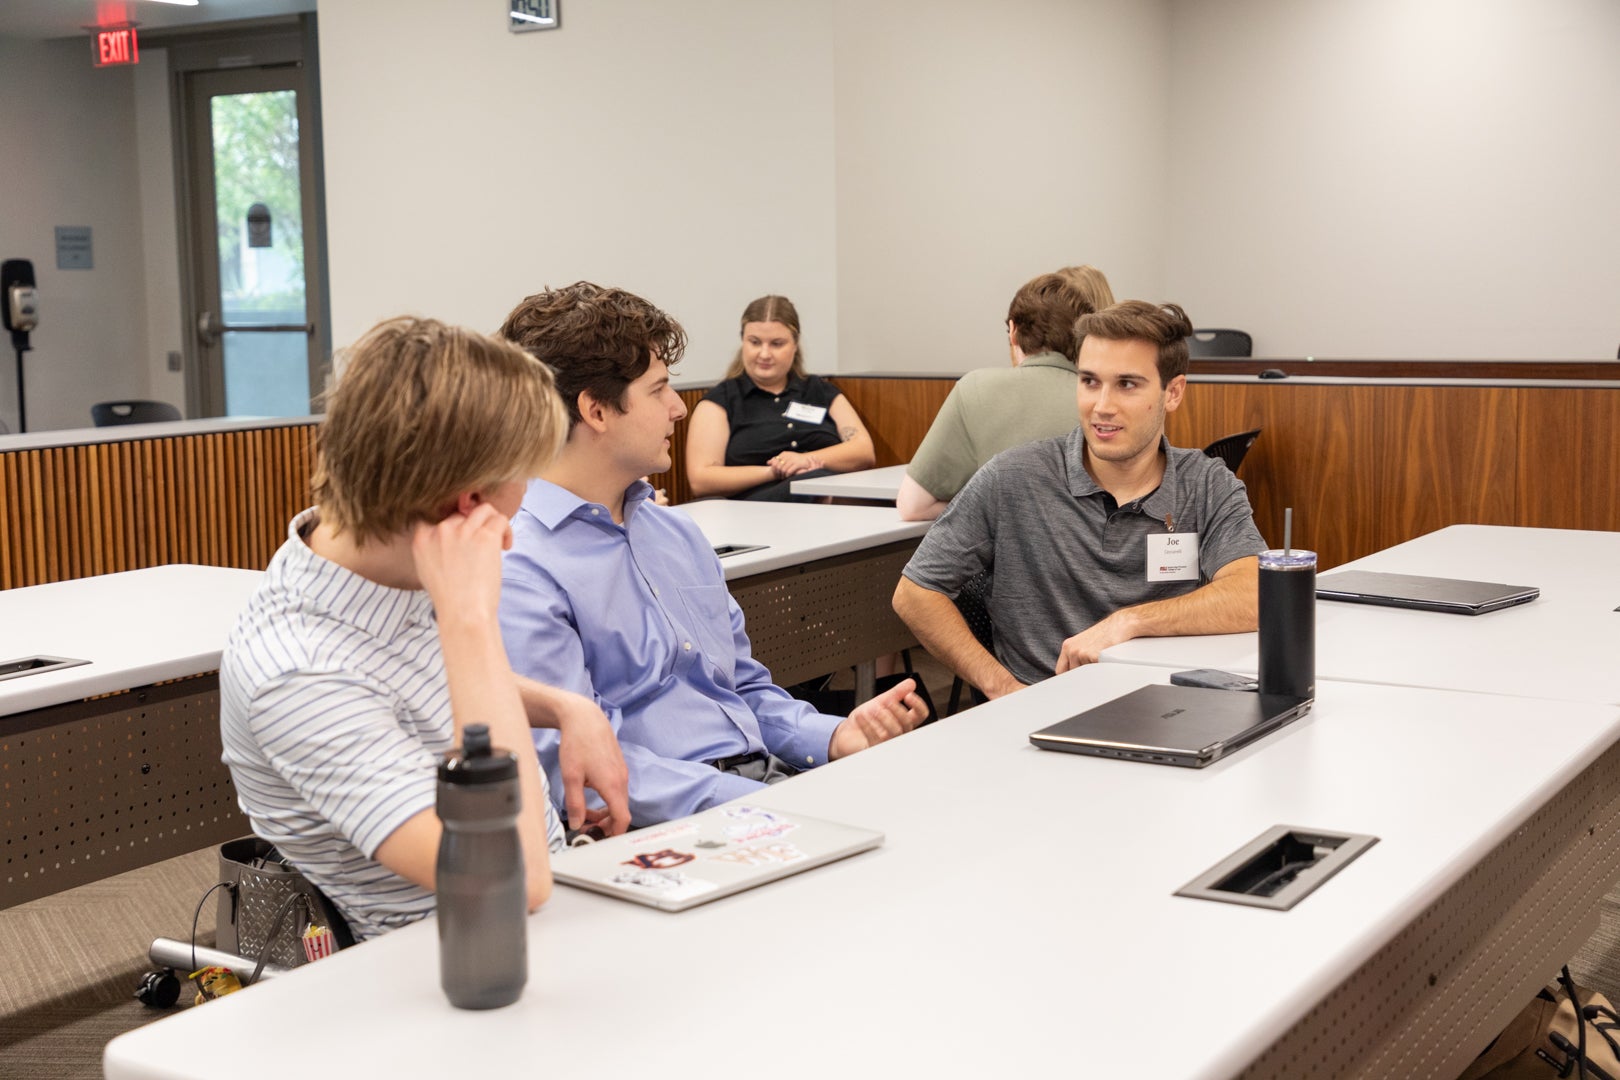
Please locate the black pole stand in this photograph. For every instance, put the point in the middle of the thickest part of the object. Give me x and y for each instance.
(19, 338)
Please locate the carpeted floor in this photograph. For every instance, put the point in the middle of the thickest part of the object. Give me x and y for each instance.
(73, 960)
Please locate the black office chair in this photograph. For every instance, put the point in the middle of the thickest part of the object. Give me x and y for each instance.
(971, 603)
(1232, 449)
(113, 413)
(1220, 343)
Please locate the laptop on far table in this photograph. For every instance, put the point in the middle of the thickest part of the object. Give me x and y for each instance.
(1454, 595)
(718, 852)
(1188, 726)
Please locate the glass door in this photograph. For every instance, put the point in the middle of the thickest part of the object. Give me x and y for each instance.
(255, 250)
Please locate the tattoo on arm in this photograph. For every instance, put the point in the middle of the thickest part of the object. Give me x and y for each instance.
(848, 433)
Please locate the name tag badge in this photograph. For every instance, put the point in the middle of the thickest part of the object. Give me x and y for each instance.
(809, 414)
(1172, 557)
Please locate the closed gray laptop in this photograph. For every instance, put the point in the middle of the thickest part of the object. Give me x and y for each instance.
(1172, 725)
(721, 851)
(1457, 596)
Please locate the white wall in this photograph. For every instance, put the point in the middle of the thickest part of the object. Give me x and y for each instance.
(683, 151)
(68, 157)
(1399, 178)
(897, 169)
(160, 237)
(980, 145)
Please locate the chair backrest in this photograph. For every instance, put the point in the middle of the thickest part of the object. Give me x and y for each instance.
(112, 413)
(1229, 343)
(1232, 448)
(975, 612)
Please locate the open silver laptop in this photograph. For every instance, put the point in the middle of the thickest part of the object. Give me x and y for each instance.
(693, 860)
(1454, 595)
(1172, 725)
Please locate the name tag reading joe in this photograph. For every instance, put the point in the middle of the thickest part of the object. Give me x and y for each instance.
(809, 414)
(1172, 557)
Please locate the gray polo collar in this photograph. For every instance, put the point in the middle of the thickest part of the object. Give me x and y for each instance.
(1160, 503)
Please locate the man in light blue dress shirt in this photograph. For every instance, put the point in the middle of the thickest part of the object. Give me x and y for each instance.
(610, 595)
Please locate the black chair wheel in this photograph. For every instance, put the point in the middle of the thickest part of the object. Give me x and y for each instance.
(158, 989)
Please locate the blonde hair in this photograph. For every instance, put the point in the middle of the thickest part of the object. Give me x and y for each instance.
(420, 412)
(777, 309)
(1044, 311)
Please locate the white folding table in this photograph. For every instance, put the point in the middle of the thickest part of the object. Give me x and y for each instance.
(1021, 919)
(1561, 646)
(113, 763)
(876, 485)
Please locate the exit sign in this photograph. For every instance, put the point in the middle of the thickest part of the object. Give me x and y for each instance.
(112, 47)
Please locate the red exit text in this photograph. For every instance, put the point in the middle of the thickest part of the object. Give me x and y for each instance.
(116, 47)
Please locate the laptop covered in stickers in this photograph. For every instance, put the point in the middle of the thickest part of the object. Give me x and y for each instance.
(721, 851)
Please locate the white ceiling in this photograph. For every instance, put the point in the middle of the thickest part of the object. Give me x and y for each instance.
(39, 19)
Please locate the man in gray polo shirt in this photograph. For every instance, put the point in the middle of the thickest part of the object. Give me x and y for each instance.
(1093, 538)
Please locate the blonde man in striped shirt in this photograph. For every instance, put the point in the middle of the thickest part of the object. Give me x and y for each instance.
(374, 638)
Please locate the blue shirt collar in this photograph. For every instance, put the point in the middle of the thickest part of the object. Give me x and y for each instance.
(552, 504)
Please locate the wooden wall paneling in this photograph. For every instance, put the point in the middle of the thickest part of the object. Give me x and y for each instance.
(280, 482)
(75, 502)
(51, 472)
(1444, 456)
(1320, 468)
(197, 496)
(28, 529)
(233, 507)
(217, 544)
(95, 509)
(44, 509)
(1307, 458)
(135, 506)
(8, 518)
(1411, 369)
(131, 505)
(223, 513)
(114, 458)
(1208, 411)
(301, 448)
(1568, 459)
(191, 545)
(264, 500)
(250, 521)
(896, 411)
(171, 501)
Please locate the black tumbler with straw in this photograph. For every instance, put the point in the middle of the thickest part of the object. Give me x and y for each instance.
(1288, 618)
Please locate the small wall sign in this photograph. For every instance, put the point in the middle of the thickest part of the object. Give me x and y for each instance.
(526, 15)
(73, 248)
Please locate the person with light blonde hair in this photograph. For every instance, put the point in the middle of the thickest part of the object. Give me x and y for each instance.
(769, 422)
(374, 640)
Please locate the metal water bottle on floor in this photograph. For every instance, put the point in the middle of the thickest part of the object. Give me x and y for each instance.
(482, 899)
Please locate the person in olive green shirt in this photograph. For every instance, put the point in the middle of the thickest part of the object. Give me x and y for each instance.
(994, 409)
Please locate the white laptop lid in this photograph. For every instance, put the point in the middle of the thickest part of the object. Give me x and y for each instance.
(723, 850)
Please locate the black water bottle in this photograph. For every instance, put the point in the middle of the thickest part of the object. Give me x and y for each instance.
(482, 898)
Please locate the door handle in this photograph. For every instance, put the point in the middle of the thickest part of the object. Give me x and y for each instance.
(209, 330)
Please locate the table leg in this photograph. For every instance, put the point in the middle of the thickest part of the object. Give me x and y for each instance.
(865, 680)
